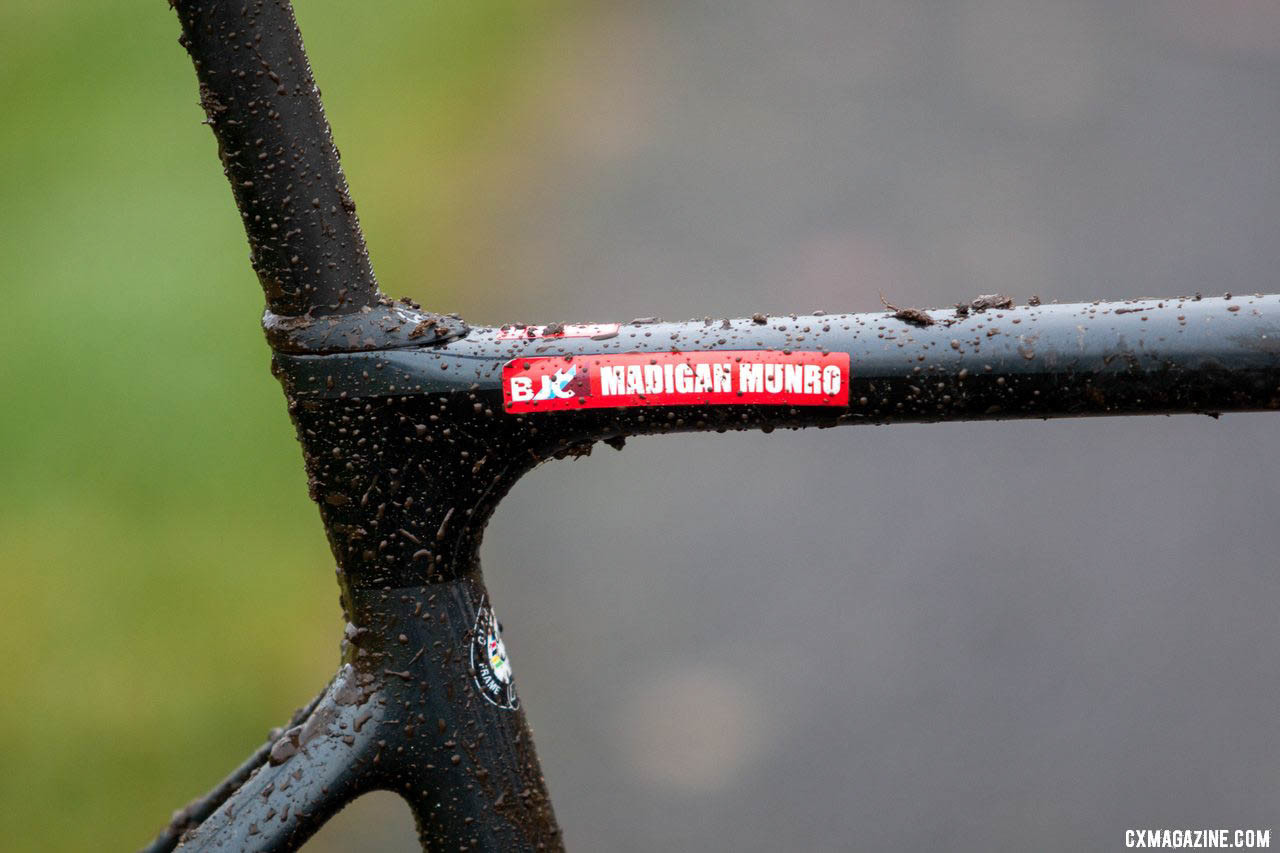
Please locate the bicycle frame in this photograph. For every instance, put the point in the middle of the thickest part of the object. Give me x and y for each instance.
(415, 425)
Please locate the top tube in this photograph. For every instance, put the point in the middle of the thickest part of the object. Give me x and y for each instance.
(263, 105)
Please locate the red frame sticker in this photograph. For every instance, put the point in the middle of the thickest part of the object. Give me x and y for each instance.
(724, 377)
(566, 330)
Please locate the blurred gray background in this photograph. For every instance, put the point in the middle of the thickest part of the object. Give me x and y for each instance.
(970, 637)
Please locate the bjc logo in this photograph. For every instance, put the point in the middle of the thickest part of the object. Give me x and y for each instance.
(553, 387)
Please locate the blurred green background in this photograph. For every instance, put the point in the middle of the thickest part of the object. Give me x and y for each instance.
(144, 440)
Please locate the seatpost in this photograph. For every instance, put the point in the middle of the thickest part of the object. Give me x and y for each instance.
(263, 105)
(424, 702)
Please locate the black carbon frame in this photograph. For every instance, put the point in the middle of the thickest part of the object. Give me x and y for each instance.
(409, 447)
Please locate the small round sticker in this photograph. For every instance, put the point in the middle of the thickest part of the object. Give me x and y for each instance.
(490, 666)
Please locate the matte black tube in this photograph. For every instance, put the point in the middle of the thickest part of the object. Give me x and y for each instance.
(1154, 356)
(408, 713)
(262, 103)
(409, 449)
(310, 773)
(200, 809)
